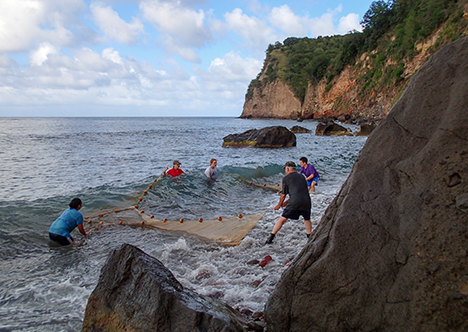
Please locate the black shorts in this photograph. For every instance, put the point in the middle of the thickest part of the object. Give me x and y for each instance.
(295, 214)
(64, 241)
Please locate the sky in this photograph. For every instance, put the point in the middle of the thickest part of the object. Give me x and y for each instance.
(112, 58)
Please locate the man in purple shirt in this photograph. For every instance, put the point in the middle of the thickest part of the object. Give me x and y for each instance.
(312, 176)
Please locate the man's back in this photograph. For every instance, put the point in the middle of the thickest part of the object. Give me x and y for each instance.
(295, 185)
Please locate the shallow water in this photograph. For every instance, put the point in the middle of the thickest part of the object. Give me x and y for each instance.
(108, 162)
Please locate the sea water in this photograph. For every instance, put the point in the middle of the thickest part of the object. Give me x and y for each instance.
(108, 162)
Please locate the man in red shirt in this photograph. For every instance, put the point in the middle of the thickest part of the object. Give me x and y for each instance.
(174, 171)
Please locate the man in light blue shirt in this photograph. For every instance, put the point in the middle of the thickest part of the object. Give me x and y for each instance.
(61, 228)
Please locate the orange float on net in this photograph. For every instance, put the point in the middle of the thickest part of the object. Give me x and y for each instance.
(165, 219)
(239, 176)
(140, 199)
(136, 206)
(143, 222)
(251, 182)
(277, 184)
(240, 215)
(142, 211)
(151, 216)
(100, 223)
(219, 218)
(101, 215)
(90, 221)
(145, 192)
(155, 180)
(116, 211)
(200, 220)
(264, 184)
(181, 220)
(120, 222)
(150, 186)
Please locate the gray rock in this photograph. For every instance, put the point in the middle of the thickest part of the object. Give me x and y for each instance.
(269, 137)
(365, 129)
(136, 292)
(299, 130)
(330, 128)
(462, 202)
(391, 249)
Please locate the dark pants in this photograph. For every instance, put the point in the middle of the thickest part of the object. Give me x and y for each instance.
(64, 241)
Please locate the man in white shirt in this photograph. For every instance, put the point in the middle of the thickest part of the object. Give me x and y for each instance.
(211, 171)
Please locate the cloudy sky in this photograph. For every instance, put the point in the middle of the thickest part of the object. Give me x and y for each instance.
(148, 57)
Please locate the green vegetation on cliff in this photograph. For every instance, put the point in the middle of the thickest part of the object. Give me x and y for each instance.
(391, 30)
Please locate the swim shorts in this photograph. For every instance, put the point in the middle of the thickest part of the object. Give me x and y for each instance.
(294, 214)
(64, 241)
(309, 183)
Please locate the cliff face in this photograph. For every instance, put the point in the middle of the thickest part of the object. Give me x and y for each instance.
(344, 96)
(390, 253)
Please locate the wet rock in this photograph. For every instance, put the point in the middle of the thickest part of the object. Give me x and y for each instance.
(267, 259)
(330, 128)
(381, 259)
(269, 137)
(254, 326)
(299, 130)
(256, 283)
(136, 292)
(253, 262)
(258, 316)
(246, 312)
(365, 129)
(454, 180)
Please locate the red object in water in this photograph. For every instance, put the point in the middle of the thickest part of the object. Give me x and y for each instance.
(267, 259)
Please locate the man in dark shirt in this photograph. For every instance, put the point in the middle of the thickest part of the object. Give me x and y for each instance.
(298, 204)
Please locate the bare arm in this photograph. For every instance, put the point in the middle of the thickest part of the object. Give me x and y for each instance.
(82, 230)
(281, 202)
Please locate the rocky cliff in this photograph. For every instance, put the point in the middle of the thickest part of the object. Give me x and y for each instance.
(391, 251)
(343, 97)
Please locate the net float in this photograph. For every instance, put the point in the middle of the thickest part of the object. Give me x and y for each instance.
(181, 220)
(90, 221)
(142, 211)
(120, 222)
(264, 184)
(155, 180)
(101, 215)
(165, 219)
(142, 222)
(145, 192)
(116, 211)
(251, 182)
(100, 223)
(136, 206)
(240, 215)
(151, 216)
(140, 199)
(200, 220)
(239, 176)
(219, 218)
(150, 186)
(277, 184)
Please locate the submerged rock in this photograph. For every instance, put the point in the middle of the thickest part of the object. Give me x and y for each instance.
(330, 128)
(391, 251)
(299, 130)
(136, 292)
(269, 137)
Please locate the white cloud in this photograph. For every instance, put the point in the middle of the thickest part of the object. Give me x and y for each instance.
(183, 24)
(284, 18)
(113, 26)
(348, 23)
(112, 55)
(232, 67)
(38, 56)
(256, 33)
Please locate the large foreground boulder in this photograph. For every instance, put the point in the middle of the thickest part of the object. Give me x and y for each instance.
(391, 251)
(269, 137)
(136, 292)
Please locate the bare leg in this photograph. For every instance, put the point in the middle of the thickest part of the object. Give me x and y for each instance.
(280, 224)
(312, 186)
(308, 226)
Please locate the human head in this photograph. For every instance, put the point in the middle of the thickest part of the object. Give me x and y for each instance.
(176, 164)
(304, 160)
(213, 160)
(75, 202)
(290, 165)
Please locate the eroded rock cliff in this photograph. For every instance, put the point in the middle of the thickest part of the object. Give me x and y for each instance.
(391, 251)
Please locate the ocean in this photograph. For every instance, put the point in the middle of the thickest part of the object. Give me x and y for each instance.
(108, 162)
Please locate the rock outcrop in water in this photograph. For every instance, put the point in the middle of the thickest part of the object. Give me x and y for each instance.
(269, 137)
(331, 128)
(391, 251)
(136, 292)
